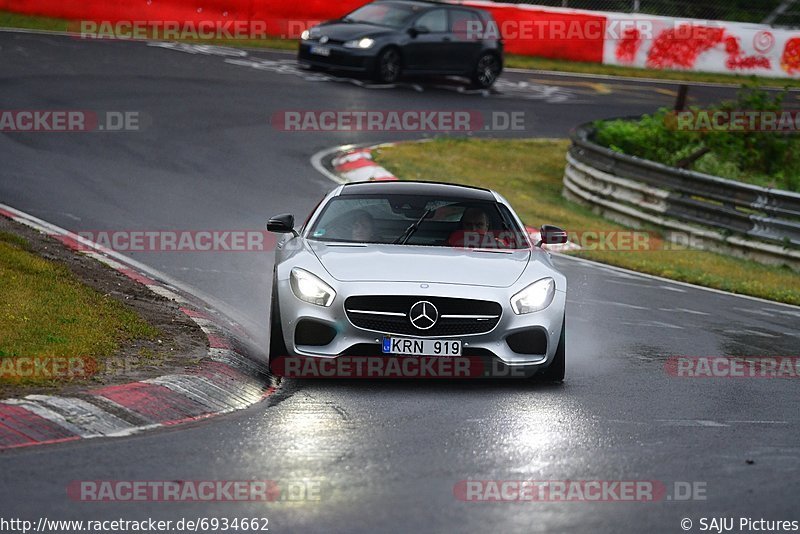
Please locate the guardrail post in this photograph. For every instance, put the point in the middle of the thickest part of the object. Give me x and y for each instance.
(680, 100)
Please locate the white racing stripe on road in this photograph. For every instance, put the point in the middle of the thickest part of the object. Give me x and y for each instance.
(620, 304)
(683, 310)
(755, 312)
(752, 332)
(675, 289)
(759, 422)
(691, 422)
(652, 324)
(787, 312)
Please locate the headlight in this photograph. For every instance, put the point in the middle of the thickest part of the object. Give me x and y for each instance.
(305, 35)
(366, 42)
(310, 288)
(535, 297)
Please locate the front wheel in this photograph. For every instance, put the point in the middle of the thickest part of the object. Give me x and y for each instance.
(277, 347)
(487, 70)
(388, 66)
(555, 373)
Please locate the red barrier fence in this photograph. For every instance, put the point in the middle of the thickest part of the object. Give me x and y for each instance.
(610, 38)
(288, 18)
(550, 33)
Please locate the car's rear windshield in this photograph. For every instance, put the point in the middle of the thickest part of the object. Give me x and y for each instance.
(418, 220)
(393, 15)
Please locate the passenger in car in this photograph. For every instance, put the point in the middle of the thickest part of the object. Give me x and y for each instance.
(475, 220)
(363, 226)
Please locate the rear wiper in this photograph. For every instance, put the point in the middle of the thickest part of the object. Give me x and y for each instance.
(405, 236)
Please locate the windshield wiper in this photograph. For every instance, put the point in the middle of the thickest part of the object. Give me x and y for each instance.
(405, 236)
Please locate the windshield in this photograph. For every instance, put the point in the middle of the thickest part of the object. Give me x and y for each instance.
(384, 14)
(416, 220)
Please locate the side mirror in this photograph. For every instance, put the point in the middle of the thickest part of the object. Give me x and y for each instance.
(417, 30)
(553, 235)
(282, 224)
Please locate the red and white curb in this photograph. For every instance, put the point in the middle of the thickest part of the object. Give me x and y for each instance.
(357, 165)
(226, 381)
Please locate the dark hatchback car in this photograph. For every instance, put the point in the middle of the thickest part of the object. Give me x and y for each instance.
(389, 38)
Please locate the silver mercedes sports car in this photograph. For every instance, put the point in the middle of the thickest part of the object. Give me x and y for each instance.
(406, 270)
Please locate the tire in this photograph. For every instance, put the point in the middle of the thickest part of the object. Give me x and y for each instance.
(555, 372)
(277, 346)
(487, 70)
(388, 66)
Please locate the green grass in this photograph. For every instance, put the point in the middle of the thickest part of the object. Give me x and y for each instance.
(13, 20)
(529, 174)
(539, 63)
(46, 311)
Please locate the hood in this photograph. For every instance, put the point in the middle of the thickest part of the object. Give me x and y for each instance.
(442, 265)
(347, 31)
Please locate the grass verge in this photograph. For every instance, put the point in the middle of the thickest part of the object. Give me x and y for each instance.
(578, 67)
(14, 20)
(529, 174)
(46, 312)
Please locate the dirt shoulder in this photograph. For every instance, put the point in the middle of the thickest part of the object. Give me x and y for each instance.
(173, 343)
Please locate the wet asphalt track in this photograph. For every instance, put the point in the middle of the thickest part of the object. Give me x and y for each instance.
(388, 454)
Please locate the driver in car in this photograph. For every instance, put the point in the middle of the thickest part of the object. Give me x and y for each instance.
(363, 226)
(475, 232)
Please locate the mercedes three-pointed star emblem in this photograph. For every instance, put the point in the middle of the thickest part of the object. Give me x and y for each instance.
(423, 315)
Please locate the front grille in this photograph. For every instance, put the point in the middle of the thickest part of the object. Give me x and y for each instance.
(401, 325)
(338, 58)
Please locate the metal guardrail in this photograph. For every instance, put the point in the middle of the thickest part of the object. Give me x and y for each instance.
(767, 221)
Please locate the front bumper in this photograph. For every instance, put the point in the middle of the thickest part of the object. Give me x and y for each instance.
(351, 340)
(340, 58)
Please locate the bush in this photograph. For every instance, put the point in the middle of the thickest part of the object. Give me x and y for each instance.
(769, 159)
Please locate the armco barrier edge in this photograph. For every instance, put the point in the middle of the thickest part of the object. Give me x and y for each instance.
(725, 215)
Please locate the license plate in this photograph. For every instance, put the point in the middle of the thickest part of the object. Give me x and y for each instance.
(421, 347)
(321, 50)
